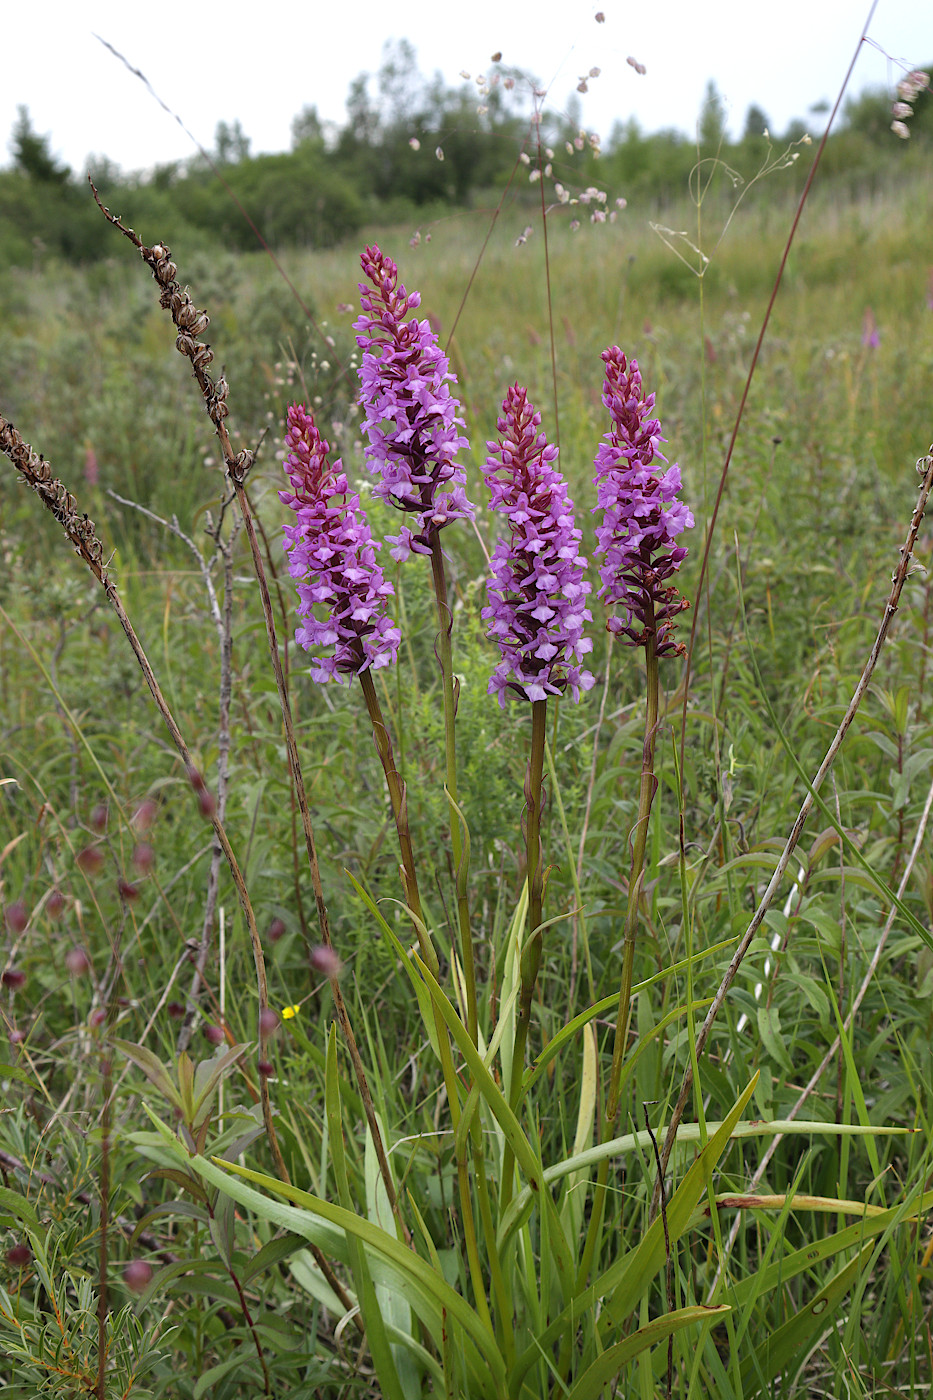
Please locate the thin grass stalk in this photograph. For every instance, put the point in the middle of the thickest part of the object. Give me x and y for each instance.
(899, 578)
(530, 954)
(849, 1022)
(647, 788)
(399, 801)
(451, 695)
(753, 365)
(191, 323)
(80, 530)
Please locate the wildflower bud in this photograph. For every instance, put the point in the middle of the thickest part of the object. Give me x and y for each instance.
(268, 1021)
(16, 916)
(17, 1037)
(266, 1068)
(414, 143)
(145, 815)
(206, 802)
(175, 1010)
(127, 890)
(326, 961)
(55, 903)
(275, 931)
(99, 818)
(143, 857)
(18, 1256)
(97, 1017)
(214, 1035)
(137, 1275)
(12, 978)
(90, 860)
(77, 962)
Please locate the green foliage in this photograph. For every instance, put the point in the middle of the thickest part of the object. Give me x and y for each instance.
(563, 1280)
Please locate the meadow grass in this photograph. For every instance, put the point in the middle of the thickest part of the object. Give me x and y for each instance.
(827, 1271)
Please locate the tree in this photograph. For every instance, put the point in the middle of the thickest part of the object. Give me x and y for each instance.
(756, 123)
(711, 126)
(231, 144)
(307, 128)
(32, 154)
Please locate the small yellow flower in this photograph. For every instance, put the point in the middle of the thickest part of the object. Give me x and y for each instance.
(289, 1012)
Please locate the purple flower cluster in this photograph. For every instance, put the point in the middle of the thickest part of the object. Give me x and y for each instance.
(333, 556)
(537, 594)
(410, 415)
(642, 515)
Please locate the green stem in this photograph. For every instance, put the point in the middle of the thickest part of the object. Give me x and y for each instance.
(530, 958)
(451, 694)
(639, 840)
(398, 798)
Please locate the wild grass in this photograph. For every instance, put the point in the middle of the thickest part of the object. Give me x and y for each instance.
(826, 1270)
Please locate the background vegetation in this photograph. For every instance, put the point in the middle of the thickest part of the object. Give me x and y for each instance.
(820, 493)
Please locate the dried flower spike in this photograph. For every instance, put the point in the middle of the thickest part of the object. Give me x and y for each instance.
(332, 554)
(537, 596)
(642, 515)
(410, 416)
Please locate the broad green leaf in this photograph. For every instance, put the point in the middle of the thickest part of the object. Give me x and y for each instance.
(779, 1350)
(19, 1206)
(370, 1301)
(154, 1070)
(606, 1367)
(769, 1028)
(216, 1373)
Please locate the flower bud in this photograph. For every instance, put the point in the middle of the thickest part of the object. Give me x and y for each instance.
(16, 916)
(137, 1275)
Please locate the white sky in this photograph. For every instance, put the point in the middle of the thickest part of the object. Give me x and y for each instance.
(262, 61)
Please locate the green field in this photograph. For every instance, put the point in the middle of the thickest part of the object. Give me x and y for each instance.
(828, 1274)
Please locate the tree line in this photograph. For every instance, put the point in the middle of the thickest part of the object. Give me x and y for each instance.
(411, 147)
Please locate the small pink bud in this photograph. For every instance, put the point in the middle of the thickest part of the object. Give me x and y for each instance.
(268, 1021)
(325, 960)
(90, 860)
(97, 1017)
(206, 804)
(127, 890)
(145, 815)
(99, 818)
(18, 1256)
(144, 857)
(55, 904)
(77, 962)
(176, 1010)
(137, 1275)
(266, 1069)
(17, 1037)
(275, 930)
(214, 1035)
(16, 916)
(12, 977)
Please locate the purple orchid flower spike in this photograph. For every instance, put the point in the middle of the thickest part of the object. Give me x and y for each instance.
(537, 596)
(642, 515)
(332, 554)
(410, 415)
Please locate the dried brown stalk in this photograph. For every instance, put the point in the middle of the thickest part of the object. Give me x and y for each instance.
(37, 473)
(191, 323)
(898, 579)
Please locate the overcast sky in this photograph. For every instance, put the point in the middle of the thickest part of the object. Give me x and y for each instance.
(263, 62)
